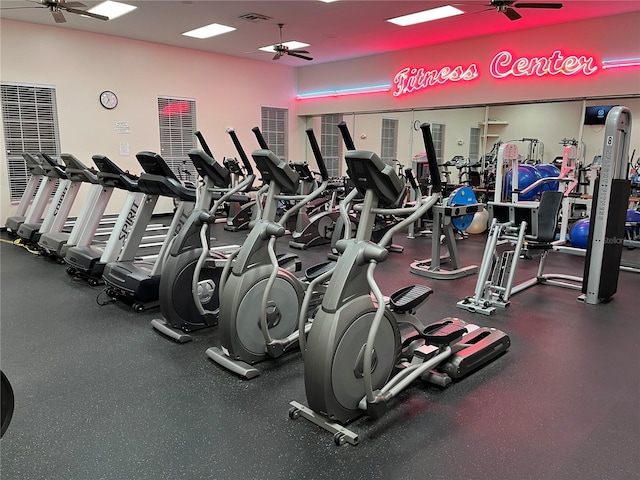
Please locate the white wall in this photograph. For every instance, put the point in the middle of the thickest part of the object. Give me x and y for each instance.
(228, 92)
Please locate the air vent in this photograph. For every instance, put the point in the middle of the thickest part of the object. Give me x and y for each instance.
(254, 17)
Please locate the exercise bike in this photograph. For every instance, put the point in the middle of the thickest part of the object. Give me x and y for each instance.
(361, 352)
(258, 316)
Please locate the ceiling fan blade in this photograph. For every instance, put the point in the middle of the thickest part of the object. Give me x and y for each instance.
(17, 8)
(68, 5)
(512, 14)
(304, 57)
(538, 5)
(85, 13)
(299, 51)
(276, 56)
(58, 17)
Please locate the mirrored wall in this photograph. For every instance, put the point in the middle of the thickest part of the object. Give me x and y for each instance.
(468, 134)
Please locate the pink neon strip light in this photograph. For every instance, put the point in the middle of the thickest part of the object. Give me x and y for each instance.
(344, 92)
(622, 62)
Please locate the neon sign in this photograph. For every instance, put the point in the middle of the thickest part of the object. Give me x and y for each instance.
(504, 65)
(622, 62)
(175, 108)
(345, 91)
(411, 79)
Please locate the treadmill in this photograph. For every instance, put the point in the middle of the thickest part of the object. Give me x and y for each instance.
(88, 260)
(56, 180)
(29, 231)
(29, 195)
(134, 280)
(52, 241)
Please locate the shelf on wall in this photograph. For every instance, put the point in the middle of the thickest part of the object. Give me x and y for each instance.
(493, 122)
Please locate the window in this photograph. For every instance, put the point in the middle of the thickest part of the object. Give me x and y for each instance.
(474, 144)
(274, 130)
(437, 132)
(389, 147)
(330, 143)
(177, 128)
(30, 117)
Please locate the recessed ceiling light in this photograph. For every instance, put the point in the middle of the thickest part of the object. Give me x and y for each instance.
(328, 1)
(292, 45)
(209, 31)
(426, 16)
(112, 9)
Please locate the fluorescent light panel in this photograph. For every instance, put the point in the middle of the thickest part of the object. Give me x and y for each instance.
(209, 31)
(112, 9)
(292, 45)
(426, 16)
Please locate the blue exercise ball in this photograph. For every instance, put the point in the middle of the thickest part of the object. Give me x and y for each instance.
(547, 170)
(633, 224)
(633, 216)
(579, 233)
(526, 176)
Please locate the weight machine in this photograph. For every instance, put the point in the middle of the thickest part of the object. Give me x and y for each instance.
(532, 225)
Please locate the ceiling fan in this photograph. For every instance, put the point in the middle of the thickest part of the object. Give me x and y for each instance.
(281, 49)
(58, 6)
(508, 7)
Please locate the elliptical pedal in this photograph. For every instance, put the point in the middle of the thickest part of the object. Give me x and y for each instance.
(315, 271)
(444, 332)
(408, 298)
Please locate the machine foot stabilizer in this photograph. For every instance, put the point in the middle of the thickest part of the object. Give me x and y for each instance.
(163, 327)
(236, 366)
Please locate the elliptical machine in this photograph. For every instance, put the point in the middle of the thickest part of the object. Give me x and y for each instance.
(361, 351)
(240, 212)
(315, 222)
(261, 301)
(183, 270)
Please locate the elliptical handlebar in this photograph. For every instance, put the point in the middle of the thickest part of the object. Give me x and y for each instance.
(346, 136)
(317, 154)
(412, 180)
(408, 173)
(202, 141)
(261, 141)
(436, 182)
(243, 155)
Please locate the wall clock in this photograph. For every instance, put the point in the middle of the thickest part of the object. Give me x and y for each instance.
(108, 99)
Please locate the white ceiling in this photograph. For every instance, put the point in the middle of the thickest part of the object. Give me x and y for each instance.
(336, 31)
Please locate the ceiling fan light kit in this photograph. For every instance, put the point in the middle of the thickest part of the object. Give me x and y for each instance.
(103, 11)
(282, 49)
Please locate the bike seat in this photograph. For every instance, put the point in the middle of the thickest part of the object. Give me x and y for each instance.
(409, 298)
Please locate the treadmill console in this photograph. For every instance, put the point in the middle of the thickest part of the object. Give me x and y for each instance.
(33, 164)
